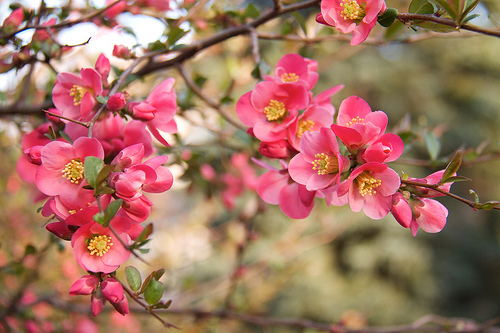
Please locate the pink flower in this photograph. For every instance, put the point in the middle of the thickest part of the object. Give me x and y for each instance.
(357, 125)
(97, 302)
(116, 9)
(319, 163)
(387, 148)
(293, 68)
(415, 212)
(86, 285)
(278, 149)
(277, 188)
(103, 67)
(75, 96)
(97, 249)
(14, 20)
(138, 209)
(42, 35)
(371, 187)
(270, 108)
(61, 172)
(112, 291)
(356, 16)
(121, 51)
(313, 118)
(161, 105)
(433, 179)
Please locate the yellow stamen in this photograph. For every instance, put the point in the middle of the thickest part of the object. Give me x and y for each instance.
(352, 10)
(325, 164)
(99, 244)
(356, 120)
(73, 171)
(275, 111)
(289, 77)
(77, 93)
(304, 126)
(367, 183)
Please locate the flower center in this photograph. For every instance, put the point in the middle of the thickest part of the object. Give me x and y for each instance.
(289, 77)
(325, 164)
(304, 126)
(77, 93)
(352, 10)
(356, 120)
(99, 244)
(275, 110)
(73, 171)
(367, 183)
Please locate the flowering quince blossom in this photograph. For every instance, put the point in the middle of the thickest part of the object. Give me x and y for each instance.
(61, 171)
(158, 110)
(295, 69)
(112, 291)
(76, 96)
(319, 163)
(357, 125)
(370, 187)
(96, 248)
(356, 16)
(270, 108)
(413, 208)
(277, 188)
(86, 285)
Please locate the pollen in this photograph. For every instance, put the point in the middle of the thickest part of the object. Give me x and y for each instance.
(357, 120)
(289, 77)
(352, 10)
(304, 126)
(275, 110)
(367, 183)
(73, 171)
(77, 93)
(325, 164)
(98, 245)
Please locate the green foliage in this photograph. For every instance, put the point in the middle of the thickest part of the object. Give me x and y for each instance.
(134, 279)
(387, 18)
(422, 7)
(91, 168)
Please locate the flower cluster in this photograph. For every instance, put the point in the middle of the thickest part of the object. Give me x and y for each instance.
(343, 162)
(96, 185)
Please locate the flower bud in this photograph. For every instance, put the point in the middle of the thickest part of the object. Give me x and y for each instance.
(97, 302)
(116, 102)
(121, 51)
(143, 111)
(112, 290)
(85, 285)
(34, 154)
(14, 20)
(278, 149)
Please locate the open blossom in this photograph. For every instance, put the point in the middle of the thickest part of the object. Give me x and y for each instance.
(97, 249)
(76, 96)
(313, 118)
(61, 171)
(295, 69)
(319, 163)
(357, 125)
(277, 188)
(270, 108)
(371, 187)
(356, 16)
(387, 148)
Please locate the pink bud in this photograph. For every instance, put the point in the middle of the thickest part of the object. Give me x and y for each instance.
(116, 102)
(97, 302)
(129, 156)
(112, 290)
(42, 35)
(121, 51)
(122, 306)
(85, 285)
(143, 111)
(278, 149)
(14, 20)
(34, 154)
(102, 66)
(207, 172)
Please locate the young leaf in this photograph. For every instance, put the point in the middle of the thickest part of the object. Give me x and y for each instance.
(91, 168)
(488, 205)
(175, 34)
(433, 145)
(456, 179)
(452, 167)
(421, 7)
(133, 278)
(158, 273)
(111, 210)
(99, 218)
(387, 18)
(148, 230)
(103, 174)
(476, 197)
(447, 8)
(153, 292)
(251, 11)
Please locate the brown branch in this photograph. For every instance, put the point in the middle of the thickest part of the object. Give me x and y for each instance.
(408, 17)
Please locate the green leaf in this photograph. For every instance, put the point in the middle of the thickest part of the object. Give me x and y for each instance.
(103, 174)
(488, 205)
(433, 145)
(452, 11)
(102, 99)
(433, 26)
(134, 279)
(387, 18)
(99, 218)
(153, 292)
(422, 7)
(29, 249)
(175, 34)
(104, 190)
(111, 210)
(251, 11)
(158, 273)
(476, 197)
(261, 69)
(456, 179)
(148, 230)
(452, 167)
(470, 17)
(91, 168)
(65, 136)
